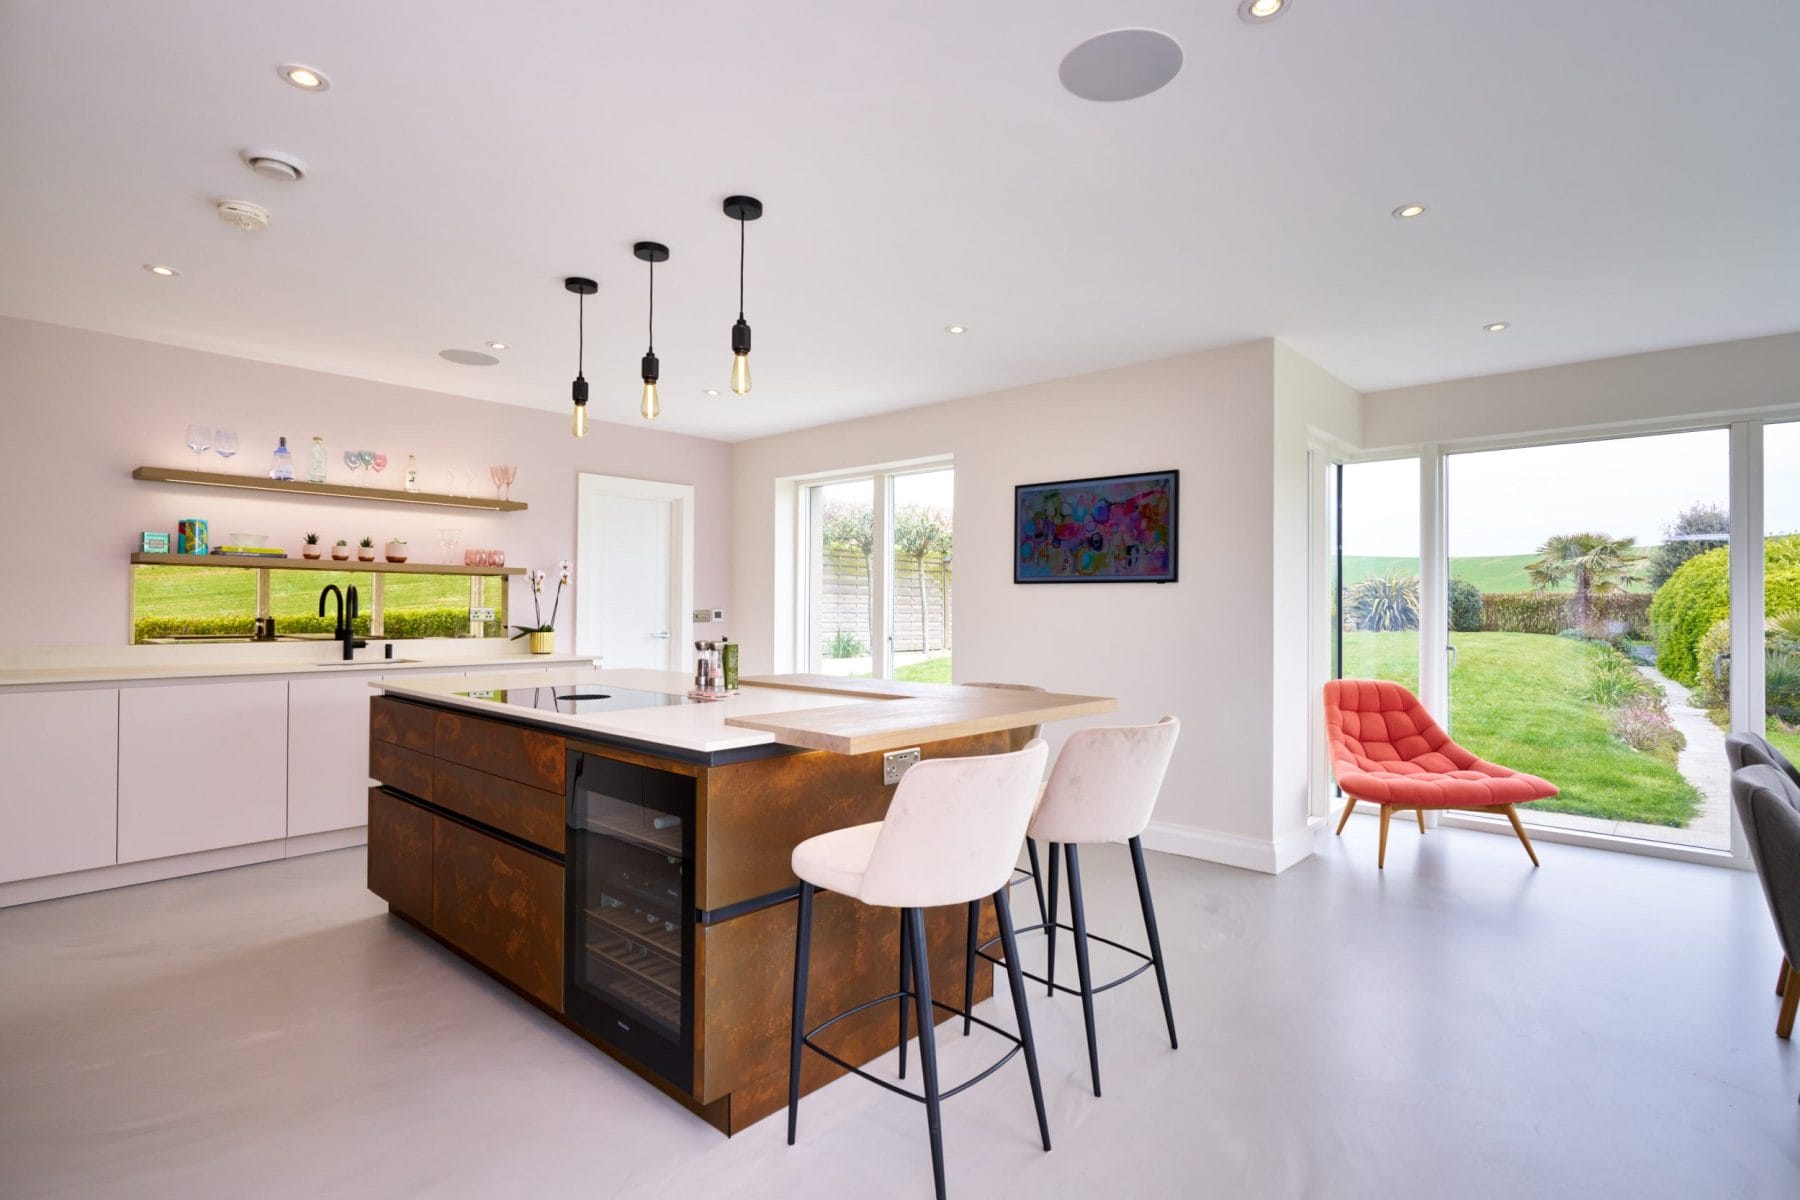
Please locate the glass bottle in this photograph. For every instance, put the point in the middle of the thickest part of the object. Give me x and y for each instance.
(412, 473)
(284, 462)
(315, 462)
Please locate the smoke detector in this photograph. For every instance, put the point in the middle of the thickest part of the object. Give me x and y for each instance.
(274, 164)
(245, 215)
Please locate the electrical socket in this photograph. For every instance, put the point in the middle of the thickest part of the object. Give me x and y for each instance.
(481, 614)
(895, 763)
(702, 615)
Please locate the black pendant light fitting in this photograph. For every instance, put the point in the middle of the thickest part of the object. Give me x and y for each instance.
(741, 209)
(651, 404)
(578, 391)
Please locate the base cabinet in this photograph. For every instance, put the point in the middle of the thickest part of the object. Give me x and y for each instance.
(59, 785)
(400, 850)
(328, 753)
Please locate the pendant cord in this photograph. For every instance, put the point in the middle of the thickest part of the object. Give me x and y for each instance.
(580, 331)
(740, 268)
(652, 332)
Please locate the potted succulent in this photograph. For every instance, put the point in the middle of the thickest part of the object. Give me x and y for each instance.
(365, 550)
(395, 550)
(341, 550)
(542, 632)
(311, 549)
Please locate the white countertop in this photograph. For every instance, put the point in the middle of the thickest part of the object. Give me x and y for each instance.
(299, 659)
(698, 727)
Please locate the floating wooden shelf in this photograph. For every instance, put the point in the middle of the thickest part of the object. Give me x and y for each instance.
(341, 491)
(316, 564)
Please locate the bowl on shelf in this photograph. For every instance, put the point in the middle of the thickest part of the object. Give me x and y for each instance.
(248, 539)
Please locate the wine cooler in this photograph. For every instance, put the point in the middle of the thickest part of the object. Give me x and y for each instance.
(629, 950)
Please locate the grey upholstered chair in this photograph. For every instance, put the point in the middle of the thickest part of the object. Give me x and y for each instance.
(1754, 750)
(1768, 807)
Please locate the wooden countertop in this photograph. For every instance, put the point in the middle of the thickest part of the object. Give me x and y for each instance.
(908, 713)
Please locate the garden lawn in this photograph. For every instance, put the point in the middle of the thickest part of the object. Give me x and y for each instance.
(170, 591)
(1490, 573)
(1515, 699)
(932, 670)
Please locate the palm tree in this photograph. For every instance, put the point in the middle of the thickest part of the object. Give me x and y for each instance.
(1594, 563)
(1385, 603)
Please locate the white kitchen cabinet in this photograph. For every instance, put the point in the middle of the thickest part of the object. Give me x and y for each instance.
(328, 753)
(59, 786)
(201, 765)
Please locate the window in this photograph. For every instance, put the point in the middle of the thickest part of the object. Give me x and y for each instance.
(878, 576)
(188, 603)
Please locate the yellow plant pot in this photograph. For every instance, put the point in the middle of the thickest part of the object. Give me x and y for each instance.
(543, 643)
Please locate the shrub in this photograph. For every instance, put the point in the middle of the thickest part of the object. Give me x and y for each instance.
(1645, 725)
(1385, 603)
(1611, 615)
(1698, 528)
(1781, 683)
(1465, 606)
(844, 644)
(1712, 685)
(1698, 594)
(1614, 681)
(399, 624)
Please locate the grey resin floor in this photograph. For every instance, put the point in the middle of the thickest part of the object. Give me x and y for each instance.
(1456, 1026)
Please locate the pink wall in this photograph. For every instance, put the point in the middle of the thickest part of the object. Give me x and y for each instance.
(79, 410)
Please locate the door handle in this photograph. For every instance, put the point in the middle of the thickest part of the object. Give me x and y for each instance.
(663, 634)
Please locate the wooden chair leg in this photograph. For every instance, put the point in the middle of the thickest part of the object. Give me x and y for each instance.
(1512, 814)
(1349, 807)
(1387, 811)
(1420, 813)
(1781, 977)
(1790, 1004)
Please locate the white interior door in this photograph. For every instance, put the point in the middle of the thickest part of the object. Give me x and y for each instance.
(634, 572)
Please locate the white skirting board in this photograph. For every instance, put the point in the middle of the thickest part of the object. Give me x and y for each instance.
(74, 883)
(1232, 849)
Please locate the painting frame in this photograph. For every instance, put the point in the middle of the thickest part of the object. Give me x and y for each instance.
(1156, 483)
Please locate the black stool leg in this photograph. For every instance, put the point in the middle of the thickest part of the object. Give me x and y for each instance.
(1050, 930)
(1037, 878)
(969, 964)
(927, 1046)
(1156, 954)
(1079, 913)
(905, 984)
(802, 952)
(1016, 978)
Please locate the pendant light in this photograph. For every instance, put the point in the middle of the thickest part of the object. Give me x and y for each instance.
(583, 288)
(651, 404)
(741, 209)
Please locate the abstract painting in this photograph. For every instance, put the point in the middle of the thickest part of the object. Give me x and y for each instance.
(1112, 529)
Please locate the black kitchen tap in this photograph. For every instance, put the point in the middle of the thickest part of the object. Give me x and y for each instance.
(346, 618)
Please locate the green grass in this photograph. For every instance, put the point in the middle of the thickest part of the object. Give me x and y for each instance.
(1490, 573)
(932, 670)
(1515, 698)
(171, 591)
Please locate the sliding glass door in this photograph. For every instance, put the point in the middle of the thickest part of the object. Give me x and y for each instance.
(1376, 615)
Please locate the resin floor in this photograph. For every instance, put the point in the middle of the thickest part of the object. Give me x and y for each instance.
(1456, 1026)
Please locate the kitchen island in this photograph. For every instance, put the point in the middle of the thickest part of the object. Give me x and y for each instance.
(619, 855)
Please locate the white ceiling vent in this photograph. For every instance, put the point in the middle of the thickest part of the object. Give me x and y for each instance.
(274, 164)
(245, 215)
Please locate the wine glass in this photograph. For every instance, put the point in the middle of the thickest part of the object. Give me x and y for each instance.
(503, 477)
(353, 460)
(365, 459)
(199, 440)
(448, 541)
(378, 463)
(225, 443)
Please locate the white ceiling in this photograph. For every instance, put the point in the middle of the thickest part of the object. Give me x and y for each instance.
(1608, 176)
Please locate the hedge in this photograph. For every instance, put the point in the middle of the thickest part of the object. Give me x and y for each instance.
(398, 624)
(1699, 594)
(1552, 612)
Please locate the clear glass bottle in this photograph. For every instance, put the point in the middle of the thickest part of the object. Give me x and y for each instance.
(315, 462)
(284, 462)
(412, 473)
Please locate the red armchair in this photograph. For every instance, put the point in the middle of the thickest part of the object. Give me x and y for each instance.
(1386, 749)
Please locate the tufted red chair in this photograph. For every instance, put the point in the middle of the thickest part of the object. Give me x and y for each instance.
(1386, 749)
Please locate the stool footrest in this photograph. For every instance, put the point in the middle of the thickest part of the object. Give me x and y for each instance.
(981, 952)
(806, 1040)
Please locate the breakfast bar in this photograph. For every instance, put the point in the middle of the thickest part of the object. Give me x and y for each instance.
(618, 853)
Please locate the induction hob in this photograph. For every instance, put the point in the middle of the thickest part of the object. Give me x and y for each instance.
(576, 699)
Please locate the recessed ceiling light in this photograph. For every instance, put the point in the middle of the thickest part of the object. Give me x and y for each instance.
(956, 329)
(1496, 327)
(307, 79)
(1122, 65)
(1407, 212)
(274, 164)
(159, 269)
(496, 345)
(1257, 11)
(712, 391)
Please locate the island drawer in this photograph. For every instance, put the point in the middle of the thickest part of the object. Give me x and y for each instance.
(400, 854)
(527, 813)
(403, 724)
(401, 769)
(526, 756)
(501, 905)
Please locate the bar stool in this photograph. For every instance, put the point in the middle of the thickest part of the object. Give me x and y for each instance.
(1022, 737)
(1102, 789)
(951, 836)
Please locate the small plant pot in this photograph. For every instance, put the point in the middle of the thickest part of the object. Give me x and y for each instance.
(543, 643)
(365, 555)
(309, 552)
(394, 552)
(340, 553)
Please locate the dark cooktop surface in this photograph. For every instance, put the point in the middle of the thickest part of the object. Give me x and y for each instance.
(570, 699)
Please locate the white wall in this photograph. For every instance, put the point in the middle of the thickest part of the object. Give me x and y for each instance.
(1203, 648)
(1725, 379)
(79, 410)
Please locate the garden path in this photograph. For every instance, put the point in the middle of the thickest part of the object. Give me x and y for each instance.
(1702, 763)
